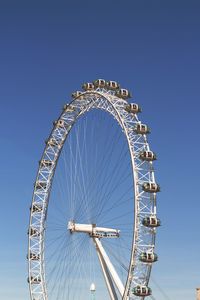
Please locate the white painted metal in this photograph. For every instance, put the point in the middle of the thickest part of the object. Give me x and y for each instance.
(108, 280)
(145, 203)
(105, 262)
(91, 229)
(110, 267)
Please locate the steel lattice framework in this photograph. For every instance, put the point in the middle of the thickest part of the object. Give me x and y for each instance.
(143, 171)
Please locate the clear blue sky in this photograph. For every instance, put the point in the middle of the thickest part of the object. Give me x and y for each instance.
(48, 48)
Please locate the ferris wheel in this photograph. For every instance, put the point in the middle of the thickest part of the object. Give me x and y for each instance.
(93, 213)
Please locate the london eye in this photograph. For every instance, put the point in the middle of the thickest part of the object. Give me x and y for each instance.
(93, 215)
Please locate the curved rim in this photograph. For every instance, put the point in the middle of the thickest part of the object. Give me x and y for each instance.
(145, 203)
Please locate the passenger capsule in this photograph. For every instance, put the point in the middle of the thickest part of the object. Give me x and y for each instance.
(76, 94)
(147, 156)
(99, 83)
(68, 108)
(148, 257)
(141, 129)
(60, 124)
(150, 187)
(36, 208)
(34, 232)
(34, 280)
(53, 143)
(88, 86)
(124, 94)
(142, 290)
(46, 163)
(112, 85)
(151, 221)
(33, 256)
(133, 108)
(40, 185)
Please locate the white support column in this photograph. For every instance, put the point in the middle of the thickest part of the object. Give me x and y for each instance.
(108, 280)
(110, 267)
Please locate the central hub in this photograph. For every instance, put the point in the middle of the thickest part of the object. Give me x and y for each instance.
(93, 230)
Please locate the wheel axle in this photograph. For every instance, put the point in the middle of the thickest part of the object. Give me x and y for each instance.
(93, 230)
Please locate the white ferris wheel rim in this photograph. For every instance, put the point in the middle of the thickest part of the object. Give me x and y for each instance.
(106, 100)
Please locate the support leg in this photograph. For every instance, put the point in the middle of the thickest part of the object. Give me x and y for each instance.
(109, 266)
